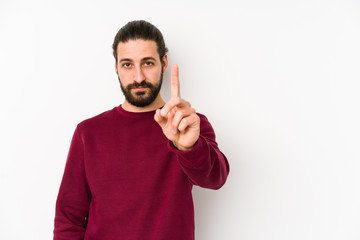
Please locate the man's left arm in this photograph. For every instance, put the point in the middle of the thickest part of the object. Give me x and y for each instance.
(192, 138)
(204, 164)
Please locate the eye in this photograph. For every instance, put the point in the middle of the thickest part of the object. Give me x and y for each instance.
(126, 65)
(149, 63)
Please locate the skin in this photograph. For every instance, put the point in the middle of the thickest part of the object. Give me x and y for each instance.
(139, 60)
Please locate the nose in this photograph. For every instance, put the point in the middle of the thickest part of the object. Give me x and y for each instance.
(139, 75)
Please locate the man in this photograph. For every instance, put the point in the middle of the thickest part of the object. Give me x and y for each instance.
(130, 170)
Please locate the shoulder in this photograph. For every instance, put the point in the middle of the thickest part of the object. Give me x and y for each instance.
(98, 120)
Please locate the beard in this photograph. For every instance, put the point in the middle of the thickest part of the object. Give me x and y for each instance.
(141, 98)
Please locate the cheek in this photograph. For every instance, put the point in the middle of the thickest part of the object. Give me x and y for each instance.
(124, 76)
(154, 74)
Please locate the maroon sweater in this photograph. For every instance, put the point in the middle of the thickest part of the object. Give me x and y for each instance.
(125, 180)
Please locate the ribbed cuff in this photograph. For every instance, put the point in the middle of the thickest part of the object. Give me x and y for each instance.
(194, 157)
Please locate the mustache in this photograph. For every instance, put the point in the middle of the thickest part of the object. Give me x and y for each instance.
(141, 84)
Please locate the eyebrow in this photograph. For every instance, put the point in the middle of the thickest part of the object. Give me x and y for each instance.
(125, 60)
(149, 58)
(130, 60)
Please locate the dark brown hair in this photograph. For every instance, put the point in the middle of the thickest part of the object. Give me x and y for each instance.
(140, 29)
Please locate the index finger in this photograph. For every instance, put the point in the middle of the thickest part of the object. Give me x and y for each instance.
(175, 85)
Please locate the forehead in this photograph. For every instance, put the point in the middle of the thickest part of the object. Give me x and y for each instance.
(137, 49)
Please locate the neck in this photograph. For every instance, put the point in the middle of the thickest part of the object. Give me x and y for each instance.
(156, 104)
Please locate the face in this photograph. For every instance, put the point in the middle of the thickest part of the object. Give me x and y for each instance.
(140, 71)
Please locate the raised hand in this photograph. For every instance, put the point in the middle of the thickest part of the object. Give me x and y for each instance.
(177, 118)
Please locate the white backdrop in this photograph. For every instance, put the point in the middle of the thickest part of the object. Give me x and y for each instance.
(278, 80)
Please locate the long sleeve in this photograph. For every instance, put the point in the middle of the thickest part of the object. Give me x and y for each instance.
(123, 180)
(74, 196)
(205, 165)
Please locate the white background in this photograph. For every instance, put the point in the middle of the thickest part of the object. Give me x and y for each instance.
(278, 80)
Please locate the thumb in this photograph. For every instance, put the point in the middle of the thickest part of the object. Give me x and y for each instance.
(159, 119)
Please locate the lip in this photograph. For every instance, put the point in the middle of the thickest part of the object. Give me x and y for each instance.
(140, 89)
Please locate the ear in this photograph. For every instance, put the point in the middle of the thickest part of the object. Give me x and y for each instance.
(164, 63)
(116, 67)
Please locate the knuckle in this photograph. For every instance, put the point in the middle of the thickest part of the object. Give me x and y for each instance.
(180, 113)
(197, 119)
(181, 128)
(176, 100)
(185, 121)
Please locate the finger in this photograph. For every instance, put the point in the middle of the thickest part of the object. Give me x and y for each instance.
(180, 114)
(175, 85)
(170, 118)
(174, 102)
(159, 119)
(189, 121)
